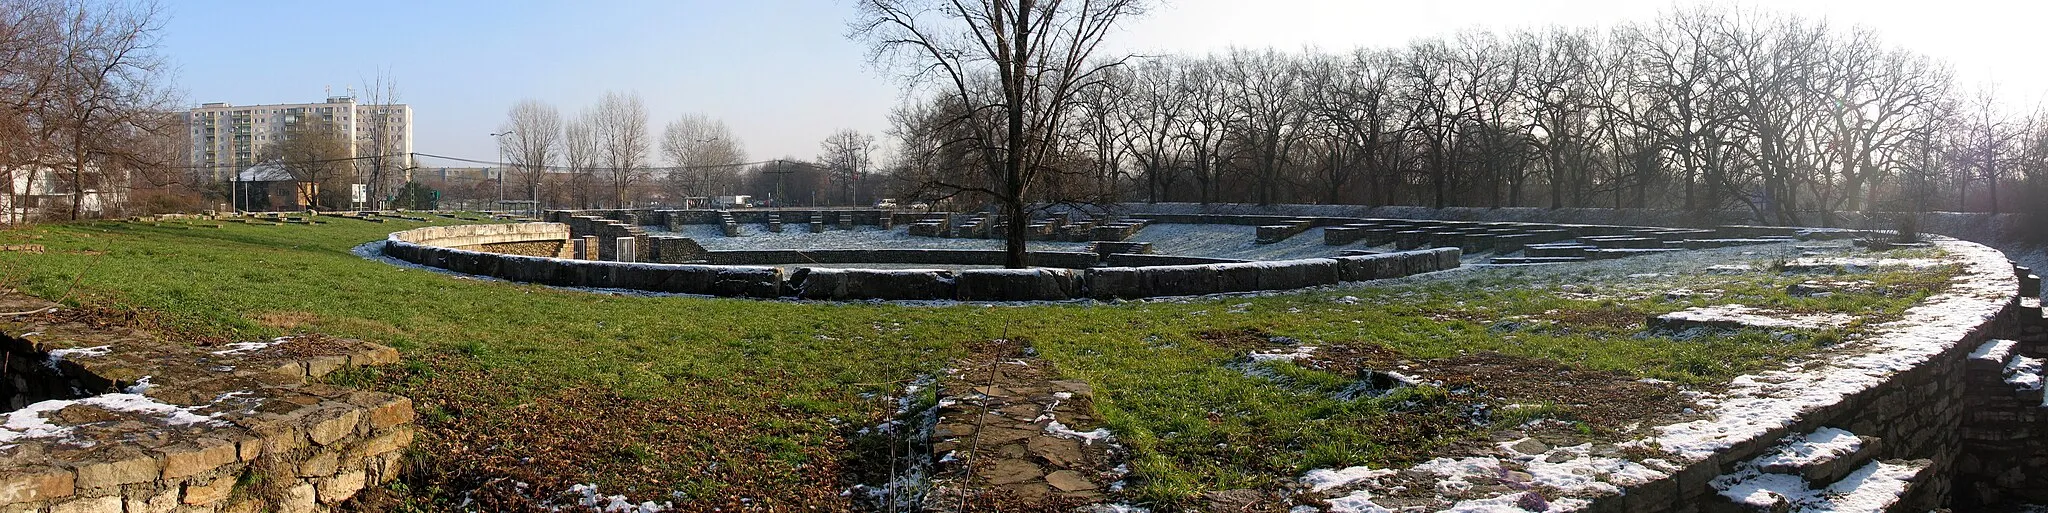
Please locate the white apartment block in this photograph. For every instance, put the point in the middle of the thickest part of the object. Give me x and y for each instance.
(228, 138)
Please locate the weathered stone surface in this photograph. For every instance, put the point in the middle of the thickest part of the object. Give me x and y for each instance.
(339, 488)
(386, 442)
(1008, 471)
(398, 410)
(116, 467)
(29, 484)
(335, 424)
(192, 458)
(1069, 481)
(198, 494)
(102, 504)
(322, 463)
(300, 498)
(159, 502)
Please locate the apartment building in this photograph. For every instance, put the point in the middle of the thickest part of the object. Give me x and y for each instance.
(228, 138)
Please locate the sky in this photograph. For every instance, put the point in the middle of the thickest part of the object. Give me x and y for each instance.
(784, 75)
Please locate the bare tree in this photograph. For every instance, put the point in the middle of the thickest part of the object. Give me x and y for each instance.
(705, 156)
(847, 155)
(619, 124)
(1024, 59)
(379, 138)
(104, 92)
(315, 152)
(534, 143)
(582, 155)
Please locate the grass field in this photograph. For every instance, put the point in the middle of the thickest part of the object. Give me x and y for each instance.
(742, 403)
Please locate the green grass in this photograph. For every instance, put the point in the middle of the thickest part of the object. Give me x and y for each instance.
(725, 398)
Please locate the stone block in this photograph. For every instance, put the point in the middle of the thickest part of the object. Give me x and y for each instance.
(158, 502)
(27, 485)
(102, 504)
(339, 488)
(198, 494)
(397, 410)
(1015, 285)
(322, 463)
(387, 442)
(338, 423)
(322, 365)
(300, 498)
(192, 458)
(373, 354)
(118, 466)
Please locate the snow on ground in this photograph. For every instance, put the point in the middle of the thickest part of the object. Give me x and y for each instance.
(1757, 317)
(756, 237)
(1324, 479)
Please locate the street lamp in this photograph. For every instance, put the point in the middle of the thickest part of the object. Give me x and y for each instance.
(500, 136)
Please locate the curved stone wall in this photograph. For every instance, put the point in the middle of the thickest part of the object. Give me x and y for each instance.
(1872, 424)
(439, 247)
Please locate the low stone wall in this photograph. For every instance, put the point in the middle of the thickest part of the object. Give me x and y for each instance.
(1896, 395)
(1193, 280)
(160, 425)
(1062, 259)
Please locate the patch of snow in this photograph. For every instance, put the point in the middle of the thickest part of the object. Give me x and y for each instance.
(1086, 437)
(1872, 488)
(250, 347)
(2023, 373)
(1324, 479)
(28, 423)
(1455, 473)
(58, 355)
(1117, 508)
(1357, 502)
(588, 498)
(141, 386)
(1756, 317)
(1822, 445)
(1996, 350)
(1286, 355)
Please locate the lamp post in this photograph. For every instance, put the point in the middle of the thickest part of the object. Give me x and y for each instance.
(500, 136)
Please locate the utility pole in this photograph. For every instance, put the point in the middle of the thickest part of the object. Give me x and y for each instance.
(500, 136)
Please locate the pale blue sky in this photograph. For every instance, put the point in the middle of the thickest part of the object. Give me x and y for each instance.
(784, 76)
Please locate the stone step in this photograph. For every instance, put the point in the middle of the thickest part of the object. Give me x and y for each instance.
(1603, 254)
(1829, 469)
(1875, 487)
(1556, 250)
(1535, 260)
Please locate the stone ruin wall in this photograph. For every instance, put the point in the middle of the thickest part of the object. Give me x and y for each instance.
(1920, 399)
(429, 247)
(112, 420)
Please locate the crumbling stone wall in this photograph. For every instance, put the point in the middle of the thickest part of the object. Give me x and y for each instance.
(168, 426)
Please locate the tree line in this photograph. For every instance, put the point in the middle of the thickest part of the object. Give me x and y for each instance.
(1790, 118)
(85, 108)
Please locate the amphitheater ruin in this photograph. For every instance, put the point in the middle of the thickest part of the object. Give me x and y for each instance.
(1937, 408)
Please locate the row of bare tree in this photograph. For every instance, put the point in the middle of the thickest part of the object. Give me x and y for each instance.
(1702, 108)
(601, 158)
(85, 113)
